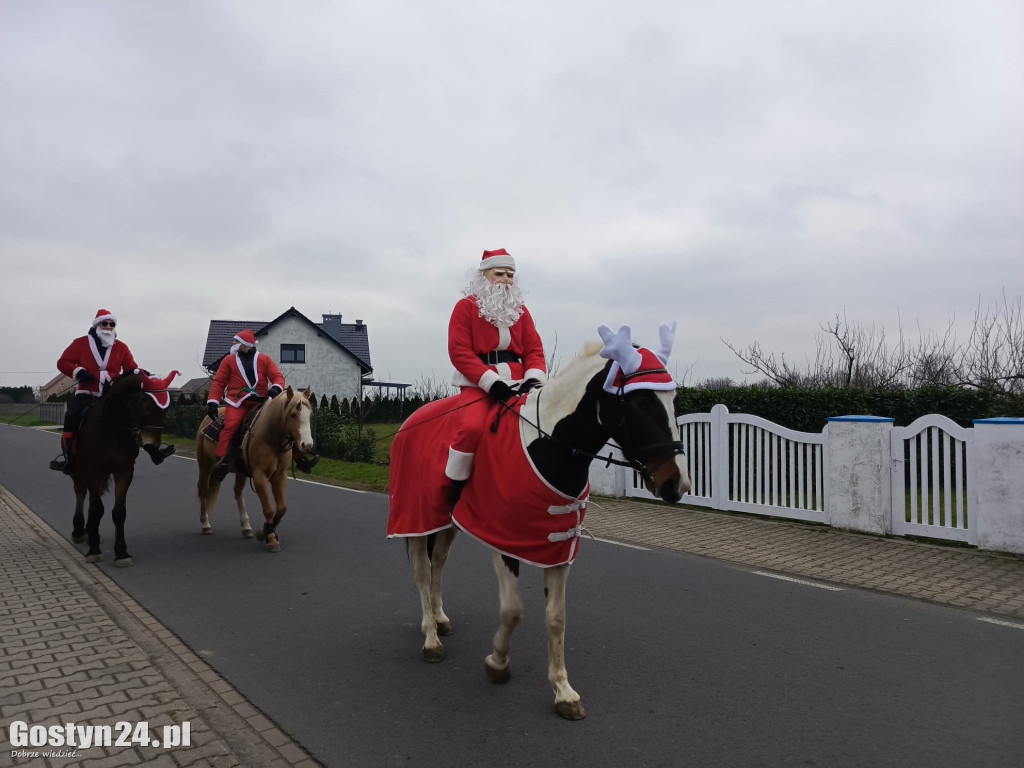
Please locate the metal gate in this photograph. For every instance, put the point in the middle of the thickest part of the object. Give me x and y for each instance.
(933, 480)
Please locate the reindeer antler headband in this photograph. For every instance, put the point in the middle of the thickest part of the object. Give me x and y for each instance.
(636, 368)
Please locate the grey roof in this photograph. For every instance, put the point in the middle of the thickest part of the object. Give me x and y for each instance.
(194, 386)
(351, 337)
(220, 338)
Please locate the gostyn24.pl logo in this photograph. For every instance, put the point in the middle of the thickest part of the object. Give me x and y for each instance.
(121, 734)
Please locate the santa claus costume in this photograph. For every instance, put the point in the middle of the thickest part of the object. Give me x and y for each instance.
(99, 355)
(241, 379)
(485, 351)
(94, 361)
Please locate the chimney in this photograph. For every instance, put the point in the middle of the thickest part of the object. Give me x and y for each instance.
(332, 326)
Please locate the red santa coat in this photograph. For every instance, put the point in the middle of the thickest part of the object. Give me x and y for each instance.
(470, 336)
(506, 503)
(232, 386)
(83, 354)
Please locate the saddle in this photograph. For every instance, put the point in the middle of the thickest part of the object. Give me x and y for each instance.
(234, 456)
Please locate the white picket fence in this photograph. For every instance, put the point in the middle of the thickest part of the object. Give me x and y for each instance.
(745, 463)
(933, 476)
(931, 479)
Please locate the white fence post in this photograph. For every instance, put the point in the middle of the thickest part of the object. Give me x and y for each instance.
(609, 479)
(859, 468)
(999, 484)
(720, 452)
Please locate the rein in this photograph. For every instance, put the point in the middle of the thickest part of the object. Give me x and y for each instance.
(675, 446)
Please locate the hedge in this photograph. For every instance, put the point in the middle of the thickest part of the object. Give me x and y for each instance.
(808, 410)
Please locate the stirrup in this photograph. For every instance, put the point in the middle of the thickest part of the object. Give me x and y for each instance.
(58, 464)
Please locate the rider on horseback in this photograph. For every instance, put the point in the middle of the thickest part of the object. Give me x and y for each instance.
(245, 377)
(94, 361)
(493, 344)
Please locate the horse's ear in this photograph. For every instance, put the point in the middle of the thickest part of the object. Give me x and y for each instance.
(289, 394)
(306, 393)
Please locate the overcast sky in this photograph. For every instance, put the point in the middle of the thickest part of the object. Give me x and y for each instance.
(749, 169)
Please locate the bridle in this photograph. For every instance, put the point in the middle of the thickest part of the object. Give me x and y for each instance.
(673, 447)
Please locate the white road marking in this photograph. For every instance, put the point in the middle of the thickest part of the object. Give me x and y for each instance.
(798, 581)
(622, 544)
(329, 485)
(1002, 623)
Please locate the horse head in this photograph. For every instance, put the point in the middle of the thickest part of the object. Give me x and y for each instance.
(636, 405)
(128, 404)
(296, 417)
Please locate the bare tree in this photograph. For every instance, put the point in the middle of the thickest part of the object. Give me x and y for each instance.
(993, 357)
(432, 388)
(850, 354)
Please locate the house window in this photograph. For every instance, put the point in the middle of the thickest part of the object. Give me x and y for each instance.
(293, 353)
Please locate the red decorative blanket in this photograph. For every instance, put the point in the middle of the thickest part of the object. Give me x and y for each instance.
(506, 503)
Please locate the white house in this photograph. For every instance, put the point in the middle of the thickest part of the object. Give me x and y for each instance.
(331, 357)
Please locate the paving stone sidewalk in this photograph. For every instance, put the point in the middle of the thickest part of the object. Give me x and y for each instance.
(75, 648)
(964, 577)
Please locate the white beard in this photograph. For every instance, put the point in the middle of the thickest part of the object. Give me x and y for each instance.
(107, 338)
(500, 304)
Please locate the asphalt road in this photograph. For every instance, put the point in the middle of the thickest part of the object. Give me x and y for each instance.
(680, 660)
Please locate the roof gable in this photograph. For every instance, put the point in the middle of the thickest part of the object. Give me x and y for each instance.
(352, 338)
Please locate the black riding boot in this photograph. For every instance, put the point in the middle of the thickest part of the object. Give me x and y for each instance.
(158, 453)
(456, 492)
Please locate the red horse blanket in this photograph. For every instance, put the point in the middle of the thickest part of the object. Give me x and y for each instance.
(506, 503)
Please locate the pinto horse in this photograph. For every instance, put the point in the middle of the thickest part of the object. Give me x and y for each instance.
(280, 425)
(130, 414)
(526, 497)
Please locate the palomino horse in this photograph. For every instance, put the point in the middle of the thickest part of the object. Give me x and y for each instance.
(130, 414)
(527, 495)
(280, 425)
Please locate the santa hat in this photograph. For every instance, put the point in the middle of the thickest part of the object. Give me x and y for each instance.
(496, 259)
(636, 368)
(101, 315)
(157, 388)
(246, 338)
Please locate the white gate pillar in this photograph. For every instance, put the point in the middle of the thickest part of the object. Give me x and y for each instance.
(998, 512)
(859, 465)
(609, 479)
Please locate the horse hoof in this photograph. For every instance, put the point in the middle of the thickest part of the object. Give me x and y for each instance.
(79, 538)
(260, 534)
(94, 558)
(444, 628)
(124, 562)
(433, 655)
(208, 531)
(499, 676)
(570, 710)
(247, 533)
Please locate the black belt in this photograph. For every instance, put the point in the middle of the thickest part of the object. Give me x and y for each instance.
(500, 356)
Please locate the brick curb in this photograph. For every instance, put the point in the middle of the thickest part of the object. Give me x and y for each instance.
(74, 647)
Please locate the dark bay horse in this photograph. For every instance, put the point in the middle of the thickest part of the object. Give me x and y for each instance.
(279, 426)
(129, 415)
(527, 495)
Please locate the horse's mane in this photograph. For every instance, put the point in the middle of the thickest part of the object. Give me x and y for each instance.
(563, 391)
(274, 409)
